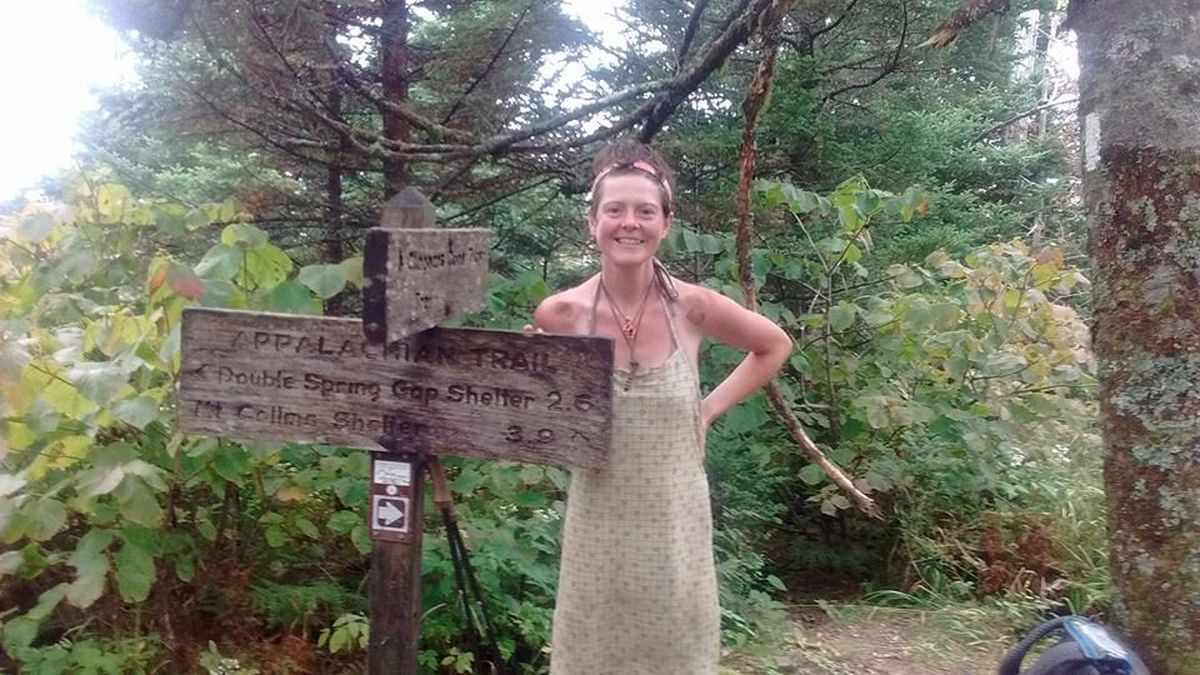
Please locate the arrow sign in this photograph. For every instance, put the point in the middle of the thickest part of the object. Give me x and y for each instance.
(390, 513)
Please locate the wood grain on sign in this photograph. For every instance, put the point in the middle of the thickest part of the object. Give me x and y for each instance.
(447, 391)
(416, 279)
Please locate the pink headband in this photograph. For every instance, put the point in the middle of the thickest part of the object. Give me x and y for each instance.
(639, 165)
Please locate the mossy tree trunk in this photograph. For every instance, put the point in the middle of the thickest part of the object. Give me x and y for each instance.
(1140, 118)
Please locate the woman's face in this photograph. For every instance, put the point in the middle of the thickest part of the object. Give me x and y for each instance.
(628, 224)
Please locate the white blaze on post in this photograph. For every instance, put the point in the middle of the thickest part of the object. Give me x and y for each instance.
(1091, 141)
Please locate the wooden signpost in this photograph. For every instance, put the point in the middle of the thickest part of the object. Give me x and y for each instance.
(392, 384)
(416, 276)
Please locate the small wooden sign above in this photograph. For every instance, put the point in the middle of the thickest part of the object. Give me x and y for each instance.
(416, 276)
(454, 391)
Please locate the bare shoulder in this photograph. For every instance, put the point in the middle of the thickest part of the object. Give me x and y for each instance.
(717, 316)
(699, 303)
(564, 312)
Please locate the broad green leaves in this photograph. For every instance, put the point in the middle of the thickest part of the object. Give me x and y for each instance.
(90, 468)
(325, 280)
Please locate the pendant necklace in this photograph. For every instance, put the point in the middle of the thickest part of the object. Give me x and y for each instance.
(629, 326)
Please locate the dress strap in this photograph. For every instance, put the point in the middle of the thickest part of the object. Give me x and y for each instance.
(591, 329)
(669, 308)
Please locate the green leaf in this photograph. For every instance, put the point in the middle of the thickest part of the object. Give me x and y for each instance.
(35, 227)
(47, 601)
(361, 539)
(800, 201)
(170, 218)
(139, 503)
(19, 634)
(10, 562)
(841, 316)
(904, 276)
(10, 484)
(65, 398)
(135, 572)
(231, 463)
(91, 567)
(324, 280)
(292, 298)
(221, 262)
(99, 381)
(945, 316)
(353, 267)
(918, 316)
(343, 521)
(275, 535)
(265, 267)
(307, 528)
(712, 244)
(812, 474)
(185, 567)
(137, 412)
(244, 236)
(776, 582)
(46, 518)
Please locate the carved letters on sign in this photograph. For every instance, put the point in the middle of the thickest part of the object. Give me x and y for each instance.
(464, 392)
(416, 279)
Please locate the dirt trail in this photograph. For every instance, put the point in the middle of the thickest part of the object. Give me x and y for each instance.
(857, 640)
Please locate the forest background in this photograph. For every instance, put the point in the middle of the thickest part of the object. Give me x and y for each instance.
(918, 231)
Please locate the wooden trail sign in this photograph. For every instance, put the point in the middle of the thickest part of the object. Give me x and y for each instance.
(394, 384)
(463, 392)
(416, 276)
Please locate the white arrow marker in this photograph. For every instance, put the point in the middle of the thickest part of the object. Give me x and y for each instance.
(389, 514)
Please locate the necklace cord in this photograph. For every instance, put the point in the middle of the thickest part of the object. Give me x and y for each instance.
(629, 328)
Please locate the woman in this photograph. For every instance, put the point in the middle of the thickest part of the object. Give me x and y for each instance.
(637, 588)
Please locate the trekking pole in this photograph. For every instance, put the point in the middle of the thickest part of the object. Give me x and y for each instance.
(479, 623)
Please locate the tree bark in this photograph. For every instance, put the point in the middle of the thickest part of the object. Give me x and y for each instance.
(394, 47)
(1140, 118)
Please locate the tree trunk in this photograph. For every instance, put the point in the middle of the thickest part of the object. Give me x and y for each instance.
(1140, 118)
(395, 64)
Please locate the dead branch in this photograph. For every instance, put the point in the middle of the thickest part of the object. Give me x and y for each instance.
(756, 98)
(963, 17)
(1015, 118)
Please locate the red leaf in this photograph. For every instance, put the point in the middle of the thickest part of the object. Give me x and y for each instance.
(184, 281)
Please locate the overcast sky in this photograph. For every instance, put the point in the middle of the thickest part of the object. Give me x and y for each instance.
(53, 54)
(54, 57)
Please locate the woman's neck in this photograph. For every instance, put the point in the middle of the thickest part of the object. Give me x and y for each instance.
(627, 285)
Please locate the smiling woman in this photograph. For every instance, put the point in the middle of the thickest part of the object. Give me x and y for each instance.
(56, 55)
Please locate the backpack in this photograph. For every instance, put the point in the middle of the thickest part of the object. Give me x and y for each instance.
(1087, 648)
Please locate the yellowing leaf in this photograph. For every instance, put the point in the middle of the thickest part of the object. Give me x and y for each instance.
(291, 493)
(354, 270)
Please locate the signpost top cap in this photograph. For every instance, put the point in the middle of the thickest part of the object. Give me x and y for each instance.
(407, 209)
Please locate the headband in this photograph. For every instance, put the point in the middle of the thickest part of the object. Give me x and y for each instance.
(639, 165)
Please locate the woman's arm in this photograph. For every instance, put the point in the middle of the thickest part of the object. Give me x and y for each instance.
(766, 344)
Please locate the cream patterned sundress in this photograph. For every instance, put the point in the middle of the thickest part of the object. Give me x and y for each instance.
(637, 591)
